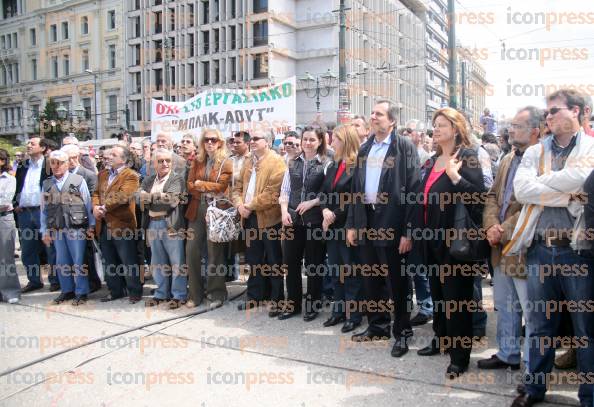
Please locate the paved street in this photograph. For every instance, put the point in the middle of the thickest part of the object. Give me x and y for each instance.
(224, 358)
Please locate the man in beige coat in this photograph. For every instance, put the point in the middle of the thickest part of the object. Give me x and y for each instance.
(255, 195)
(500, 218)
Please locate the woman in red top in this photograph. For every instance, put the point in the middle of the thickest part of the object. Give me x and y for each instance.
(454, 173)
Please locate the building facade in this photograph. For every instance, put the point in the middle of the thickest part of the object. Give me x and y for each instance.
(60, 49)
(177, 49)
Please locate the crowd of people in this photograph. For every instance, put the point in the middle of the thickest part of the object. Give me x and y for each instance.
(372, 215)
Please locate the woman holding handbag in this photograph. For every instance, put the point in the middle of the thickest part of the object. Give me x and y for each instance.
(208, 178)
(336, 190)
(451, 175)
(302, 215)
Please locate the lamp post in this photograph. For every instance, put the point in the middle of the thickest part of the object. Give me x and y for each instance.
(323, 85)
(90, 72)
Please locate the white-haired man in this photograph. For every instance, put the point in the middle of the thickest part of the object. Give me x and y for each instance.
(178, 164)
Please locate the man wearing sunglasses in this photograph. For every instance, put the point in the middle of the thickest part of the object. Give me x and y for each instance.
(550, 183)
(255, 195)
(292, 145)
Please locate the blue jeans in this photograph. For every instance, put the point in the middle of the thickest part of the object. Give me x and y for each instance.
(423, 294)
(347, 286)
(31, 246)
(510, 296)
(548, 288)
(122, 272)
(167, 262)
(70, 255)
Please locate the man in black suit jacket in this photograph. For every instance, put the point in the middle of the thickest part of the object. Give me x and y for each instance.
(387, 170)
(26, 203)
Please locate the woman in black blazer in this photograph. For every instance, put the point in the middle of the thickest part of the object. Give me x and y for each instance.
(336, 193)
(453, 174)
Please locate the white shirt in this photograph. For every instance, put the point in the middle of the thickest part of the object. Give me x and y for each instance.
(251, 188)
(7, 190)
(373, 169)
(31, 192)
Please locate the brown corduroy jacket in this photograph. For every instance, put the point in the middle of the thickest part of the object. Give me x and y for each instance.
(119, 200)
(511, 265)
(212, 186)
(270, 173)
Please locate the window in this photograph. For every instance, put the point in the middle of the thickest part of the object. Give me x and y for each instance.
(2, 42)
(233, 69)
(260, 33)
(15, 41)
(54, 67)
(233, 9)
(233, 36)
(158, 50)
(34, 69)
(85, 59)
(111, 20)
(35, 111)
(216, 40)
(16, 73)
(111, 56)
(135, 5)
(137, 82)
(84, 25)
(136, 110)
(191, 44)
(205, 41)
(86, 102)
(216, 71)
(205, 73)
(53, 33)
(136, 26)
(66, 65)
(65, 30)
(136, 54)
(205, 12)
(158, 79)
(260, 6)
(172, 76)
(112, 105)
(190, 15)
(216, 10)
(158, 22)
(172, 19)
(191, 74)
(260, 66)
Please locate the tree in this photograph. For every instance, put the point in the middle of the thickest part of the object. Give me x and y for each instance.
(49, 124)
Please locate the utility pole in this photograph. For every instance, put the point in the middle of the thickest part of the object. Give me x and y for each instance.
(343, 93)
(452, 54)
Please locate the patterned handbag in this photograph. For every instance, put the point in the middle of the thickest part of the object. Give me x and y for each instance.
(223, 224)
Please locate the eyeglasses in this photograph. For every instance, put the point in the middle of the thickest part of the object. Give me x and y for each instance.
(554, 111)
(164, 160)
(210, 140)
(289, 143)
(256, 138)
(186, 141)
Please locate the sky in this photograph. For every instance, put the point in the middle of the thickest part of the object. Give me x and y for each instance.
(528, 48)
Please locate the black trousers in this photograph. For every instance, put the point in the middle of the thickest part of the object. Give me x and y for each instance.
(264, 256)
(387, 279)
(303, 244)
(452, 306)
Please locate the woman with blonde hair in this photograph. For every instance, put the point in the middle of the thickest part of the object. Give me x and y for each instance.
(208, 178)
(454, 171)
(336, 192)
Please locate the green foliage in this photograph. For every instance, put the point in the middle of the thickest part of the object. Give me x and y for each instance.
(50, 116)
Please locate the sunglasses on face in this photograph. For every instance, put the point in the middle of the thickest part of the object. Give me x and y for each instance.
(164, 160)
(554, 110)
(289, 143)
(56, 162)
(186, 141)
(256, 138)
(210, 140)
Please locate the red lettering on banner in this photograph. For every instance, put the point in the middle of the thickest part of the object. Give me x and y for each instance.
(165, 109)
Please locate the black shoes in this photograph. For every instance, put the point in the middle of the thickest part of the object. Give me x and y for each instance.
(79, 300)
(109, 298)
(525, 400)
(453, 371)
(400, 348)
(432, 349)
(420, 319)
(334, 320)
(249, 304)
(349, 326)
(310, 316)
(273, 313)
(63, 297)
(288, 314)
(31, 287)
(369, 335)
(495, 363)
(133, 299)
(54, 287)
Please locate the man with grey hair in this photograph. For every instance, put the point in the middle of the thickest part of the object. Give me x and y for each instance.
(70, 140)
(164, 223)
(499, 218)
(74, 166)
(188, 148)
(165, 141)
(383, 178)
(587, 115)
